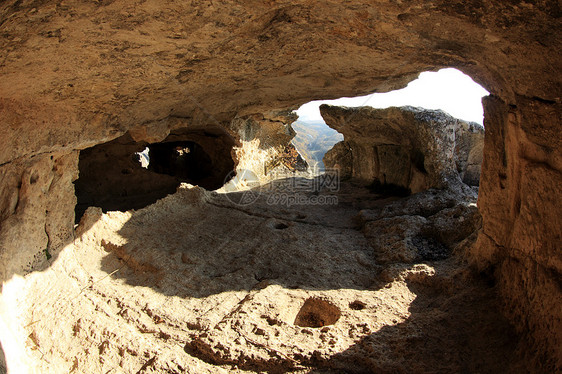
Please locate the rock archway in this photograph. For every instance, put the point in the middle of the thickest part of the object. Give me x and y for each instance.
(77, 74)
(112, 177)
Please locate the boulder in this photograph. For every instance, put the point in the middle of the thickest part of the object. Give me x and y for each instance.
(408, 148)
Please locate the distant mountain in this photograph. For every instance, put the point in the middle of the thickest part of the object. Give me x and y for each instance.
(313, 140)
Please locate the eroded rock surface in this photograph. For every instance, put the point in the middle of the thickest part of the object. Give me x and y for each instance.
(75, 74)
(265, 147)
(409, 148)
(521, 206)
(113, 177)
(263, 288)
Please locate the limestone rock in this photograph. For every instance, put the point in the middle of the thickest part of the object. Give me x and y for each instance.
(427, 226)
(410, 148)
(340, 158)
(37, 208)
(521, 206)
(75, 74)
(393, 238)
(265, 147)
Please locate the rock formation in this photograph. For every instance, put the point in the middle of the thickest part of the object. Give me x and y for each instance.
(265, 146)
(76, 74)
(113, 178)
(265, 288)
(407, 148)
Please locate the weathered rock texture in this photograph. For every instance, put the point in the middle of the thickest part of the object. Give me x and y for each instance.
(75, 74)
(409, 148)
(427, 226)
(37, 210)
(112, 175)
(113, 178)
(265, 147)
(197, 284)
(521, 205)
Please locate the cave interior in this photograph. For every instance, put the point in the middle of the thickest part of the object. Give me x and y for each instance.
(107, 265)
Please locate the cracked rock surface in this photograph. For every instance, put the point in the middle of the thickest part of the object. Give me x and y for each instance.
(199, 283)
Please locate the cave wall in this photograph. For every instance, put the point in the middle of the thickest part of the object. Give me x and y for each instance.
(75, 74)
(521, 206)
(36, 210)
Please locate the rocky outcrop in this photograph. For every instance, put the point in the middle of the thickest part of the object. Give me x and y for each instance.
(427, 226)
(75, 74)
(406, 148)
(265, 147)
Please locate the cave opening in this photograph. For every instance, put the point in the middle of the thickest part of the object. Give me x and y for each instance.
(125, 174)
(395, 165)
(330, 267)
(184, 159)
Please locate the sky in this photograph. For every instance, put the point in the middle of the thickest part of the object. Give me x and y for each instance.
(448, 89)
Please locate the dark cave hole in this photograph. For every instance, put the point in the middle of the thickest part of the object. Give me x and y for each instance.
(186, 160)
(389, 189)
(124, 174)
(418, 160)
(281, 226)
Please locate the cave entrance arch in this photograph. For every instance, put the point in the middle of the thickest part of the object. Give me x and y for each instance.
(448, 90)
(124, 174)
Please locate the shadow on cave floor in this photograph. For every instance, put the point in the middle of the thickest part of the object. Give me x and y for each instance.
(206, 282)
(198, 243)
(453, 327)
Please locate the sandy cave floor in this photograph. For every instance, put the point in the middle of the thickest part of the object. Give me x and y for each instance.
(195, 283)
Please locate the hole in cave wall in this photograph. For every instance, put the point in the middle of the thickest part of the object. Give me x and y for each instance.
(418, 160)
(143, 157)
(123, 174)
(449, 90)
(187, 160)
(313, 139)
(317, 312)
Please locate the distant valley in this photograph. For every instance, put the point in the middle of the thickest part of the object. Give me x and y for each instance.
(313, 140)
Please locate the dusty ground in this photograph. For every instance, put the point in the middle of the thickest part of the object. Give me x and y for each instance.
(196, 283)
